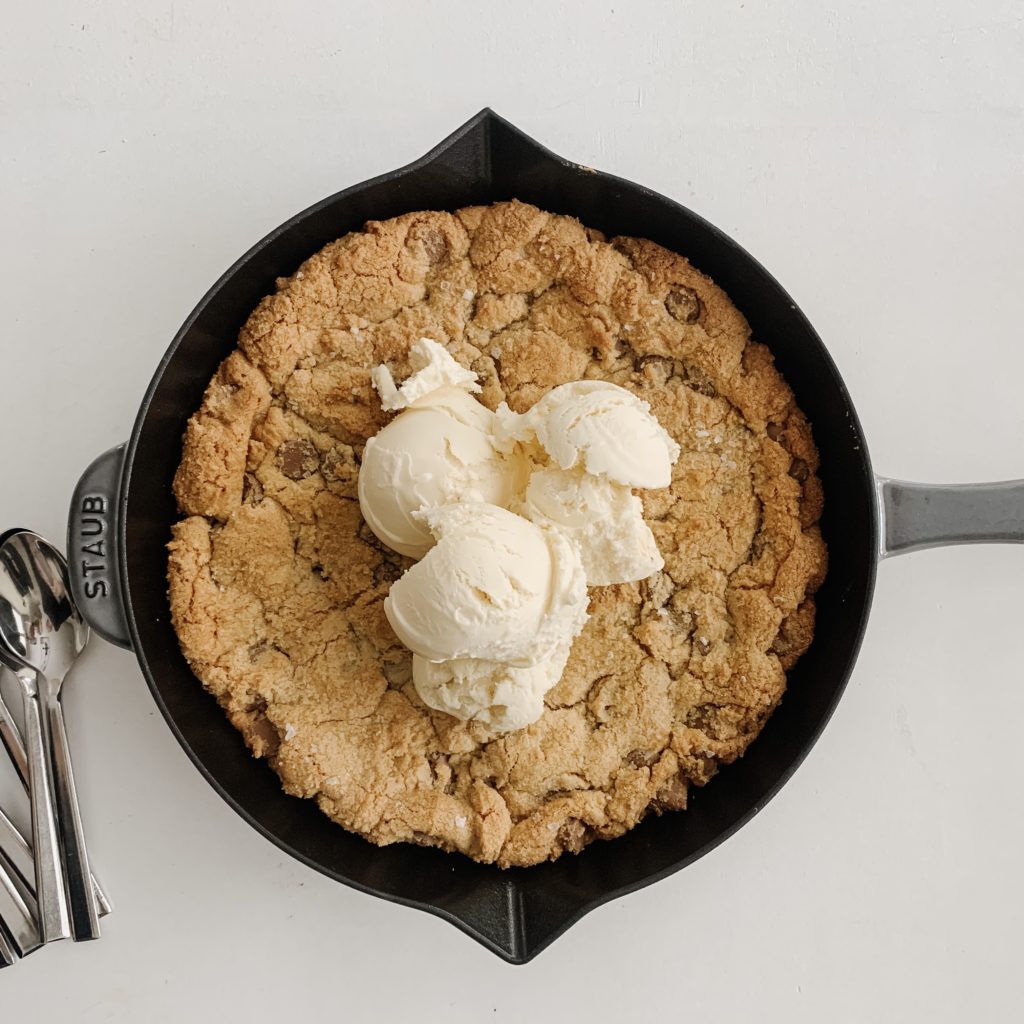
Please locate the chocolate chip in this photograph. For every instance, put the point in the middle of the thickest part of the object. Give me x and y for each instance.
(672, 796)
(683, 304)
(775, 431)
(252, 490)
(700, 769)
(298, 459)
(369, 538)
(701, 717)
(386, 572)
(642, 758)
(799, 470)
(624, 350)
(657, 369)
(697, 380)
(435, 245)
(256, 651)
(649, 360)
(339, 464)
(257, 703)
(574, 835)
(757, 545)
(262, 733)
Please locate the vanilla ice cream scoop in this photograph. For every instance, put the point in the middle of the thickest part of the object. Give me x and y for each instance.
(601, 427)
(495, 586)
(438, 451)
(504, 697)
(605, 519)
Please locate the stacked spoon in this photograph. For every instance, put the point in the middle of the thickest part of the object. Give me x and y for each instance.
(47, 891)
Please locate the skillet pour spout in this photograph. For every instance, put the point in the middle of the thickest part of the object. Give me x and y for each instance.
(122, 511)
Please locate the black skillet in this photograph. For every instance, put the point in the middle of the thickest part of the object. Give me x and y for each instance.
(122, 511)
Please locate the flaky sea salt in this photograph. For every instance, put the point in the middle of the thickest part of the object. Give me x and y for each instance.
(469, 295)
(460, 822)
(655, 302)
(703, 433)
(289, 732)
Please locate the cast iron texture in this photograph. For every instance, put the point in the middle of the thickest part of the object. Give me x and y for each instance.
(514, 913)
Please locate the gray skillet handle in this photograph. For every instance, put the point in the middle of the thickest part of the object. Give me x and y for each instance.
(916, 516)
(93, 548)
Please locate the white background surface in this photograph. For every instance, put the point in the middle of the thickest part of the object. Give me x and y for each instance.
(871, 159)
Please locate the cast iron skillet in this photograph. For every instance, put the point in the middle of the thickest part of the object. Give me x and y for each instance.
(122, 511)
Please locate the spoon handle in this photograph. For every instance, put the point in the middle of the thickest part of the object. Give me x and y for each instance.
(16, 853)
(17, 912)
(7, 954)
(53, 907)
(11, 739)
(81, 894)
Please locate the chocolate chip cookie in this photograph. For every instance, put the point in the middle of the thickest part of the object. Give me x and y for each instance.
(277, 585)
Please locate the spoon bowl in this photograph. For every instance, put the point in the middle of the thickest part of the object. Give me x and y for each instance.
(40, 625)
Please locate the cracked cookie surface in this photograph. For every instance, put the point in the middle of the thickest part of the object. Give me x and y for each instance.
(277, 585)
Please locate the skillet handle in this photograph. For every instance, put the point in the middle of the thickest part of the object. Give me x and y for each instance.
(916, 516)
(94, 548)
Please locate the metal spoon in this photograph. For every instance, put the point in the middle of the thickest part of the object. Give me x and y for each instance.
(41, 629)
(22, 852)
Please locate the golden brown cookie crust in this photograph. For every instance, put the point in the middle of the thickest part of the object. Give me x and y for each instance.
(277, 585)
